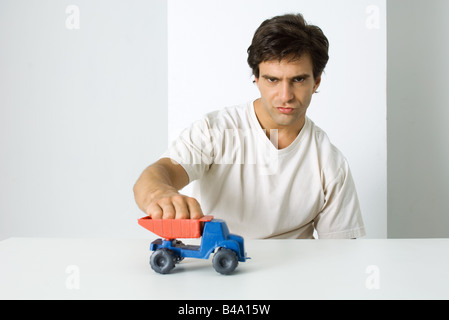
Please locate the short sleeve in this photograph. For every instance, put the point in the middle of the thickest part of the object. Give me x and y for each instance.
(340, 216)
(193, 149)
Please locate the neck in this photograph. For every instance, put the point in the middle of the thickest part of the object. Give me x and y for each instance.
(286, 134)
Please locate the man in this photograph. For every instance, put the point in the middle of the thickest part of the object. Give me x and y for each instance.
(262, 166)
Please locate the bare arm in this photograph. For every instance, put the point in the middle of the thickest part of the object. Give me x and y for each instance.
(156, 192)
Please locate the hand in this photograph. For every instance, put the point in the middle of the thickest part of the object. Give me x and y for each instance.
(172, 205)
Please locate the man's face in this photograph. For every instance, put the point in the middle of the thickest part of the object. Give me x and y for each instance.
(286, 89)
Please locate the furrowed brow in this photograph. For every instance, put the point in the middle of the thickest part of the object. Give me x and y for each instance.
(267, 76)
(302, 76)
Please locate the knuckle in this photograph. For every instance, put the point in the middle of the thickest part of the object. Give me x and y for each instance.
(177, 198)
(155, 215)
(168, 215)
(182, 215)
(154, 211)
(168, 211)
(192, 201)
(198, 214)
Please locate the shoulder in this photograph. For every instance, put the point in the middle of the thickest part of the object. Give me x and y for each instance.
(332, 161)
(229, 117)
(213, 124)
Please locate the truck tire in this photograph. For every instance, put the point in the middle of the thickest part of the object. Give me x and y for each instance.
(225, 261)
(162, 261)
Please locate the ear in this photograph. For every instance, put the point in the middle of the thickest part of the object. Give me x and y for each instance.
(317, 83)
(256, 80)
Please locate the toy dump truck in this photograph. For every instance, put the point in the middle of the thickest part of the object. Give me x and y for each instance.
(228, 248)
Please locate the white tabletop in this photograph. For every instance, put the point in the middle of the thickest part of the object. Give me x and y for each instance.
(41, 268)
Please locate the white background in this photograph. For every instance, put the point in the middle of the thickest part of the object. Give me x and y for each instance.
(80, 113)
(207, 43)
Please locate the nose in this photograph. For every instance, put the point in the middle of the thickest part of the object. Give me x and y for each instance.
(286, 92)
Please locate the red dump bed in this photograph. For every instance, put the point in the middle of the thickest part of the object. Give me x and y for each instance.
(175, 228)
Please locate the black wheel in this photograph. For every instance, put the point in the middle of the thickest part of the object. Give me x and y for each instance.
(225, 261)
(162, 261)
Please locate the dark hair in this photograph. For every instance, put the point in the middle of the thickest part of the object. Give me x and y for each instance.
(288, 36)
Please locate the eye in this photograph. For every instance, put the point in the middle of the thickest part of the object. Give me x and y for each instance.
(298, 80)
(272, 80)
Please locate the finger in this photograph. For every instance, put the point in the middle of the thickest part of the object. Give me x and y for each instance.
(182, 210)
(194, 209)
(154, 211)
(168, 210)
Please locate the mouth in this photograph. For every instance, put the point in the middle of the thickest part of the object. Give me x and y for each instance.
(285, 110)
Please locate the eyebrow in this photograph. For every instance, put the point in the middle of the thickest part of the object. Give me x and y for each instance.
(303, 76)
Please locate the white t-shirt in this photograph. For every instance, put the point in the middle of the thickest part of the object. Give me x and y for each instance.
(261, 191)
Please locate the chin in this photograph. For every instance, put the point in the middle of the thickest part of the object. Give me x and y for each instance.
(281, 121)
